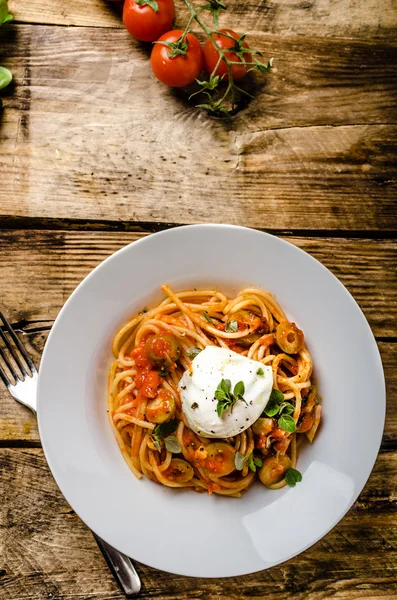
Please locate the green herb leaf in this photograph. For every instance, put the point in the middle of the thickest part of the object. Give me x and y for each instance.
(239, 460)
(152, 3)
(277, 396)
(226, 398)
(253, 462)
(239, 389)
(5, 77)
(286, 408)
(222, 406)
(193, 352)
(220, 395)
(208, 318)
(5, 16)
(260, 372)
(225, 385)
(156, 443)
(272, 408)
(172, 444)
(287, 423)
(231, 327)
(292, 476)
(165, 428)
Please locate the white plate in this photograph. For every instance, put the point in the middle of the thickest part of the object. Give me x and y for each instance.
(178, 530)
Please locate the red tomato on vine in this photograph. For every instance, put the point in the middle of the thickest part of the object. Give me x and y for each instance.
(177, 60)
(236, 45)
(147, 20)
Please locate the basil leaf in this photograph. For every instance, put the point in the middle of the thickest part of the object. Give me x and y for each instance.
(258, 462)
(208, 318)
(5, 77)
(239, 389)
(193, 352)
(287, 423)
(166, 428)
(292, 476)
(260, 372)
(231, 327)
(239, 460)
(276, 396)
(172, 444)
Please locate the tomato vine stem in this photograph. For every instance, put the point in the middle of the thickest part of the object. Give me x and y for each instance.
(218, 105)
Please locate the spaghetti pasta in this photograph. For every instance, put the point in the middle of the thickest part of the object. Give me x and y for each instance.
(155, 348)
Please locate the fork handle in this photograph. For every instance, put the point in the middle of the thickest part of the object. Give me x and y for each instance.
(121, 567)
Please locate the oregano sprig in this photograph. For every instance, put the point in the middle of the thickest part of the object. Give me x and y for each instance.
(228, 398)
(277, 406)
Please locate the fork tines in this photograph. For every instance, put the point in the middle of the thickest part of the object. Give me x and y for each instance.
(13, 348)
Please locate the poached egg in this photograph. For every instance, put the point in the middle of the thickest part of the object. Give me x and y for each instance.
(197, 390)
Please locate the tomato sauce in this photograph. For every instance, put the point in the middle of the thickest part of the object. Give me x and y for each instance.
(147, 380)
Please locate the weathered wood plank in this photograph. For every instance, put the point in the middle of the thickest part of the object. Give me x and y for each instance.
(49, 552)
(350, 18)
(43, 268)
(79, 142)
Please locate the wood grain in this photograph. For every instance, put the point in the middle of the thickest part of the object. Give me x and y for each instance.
(49, 552)
(42, 268)
(314, 151)
(350, 18)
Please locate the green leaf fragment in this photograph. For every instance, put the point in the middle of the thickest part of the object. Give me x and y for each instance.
(239, 460)
(5, 77)
(292, 477)
(287, 423)
(172, 444)
(193, 352)
(208, 318)
(239, 389)
(166, 428)
(231, 327)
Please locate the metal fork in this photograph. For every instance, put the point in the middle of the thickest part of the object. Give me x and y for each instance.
(23, 387)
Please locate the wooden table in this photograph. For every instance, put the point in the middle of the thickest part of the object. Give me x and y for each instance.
(95, 154)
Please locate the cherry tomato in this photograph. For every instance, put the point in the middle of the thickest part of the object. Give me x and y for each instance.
(211, 55)
(146, 24)
(179, 70)
(147, 383)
